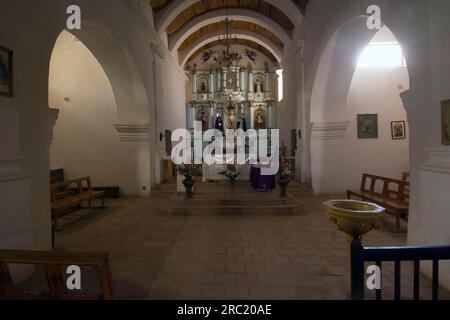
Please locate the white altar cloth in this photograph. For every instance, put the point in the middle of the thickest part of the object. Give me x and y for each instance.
(211, 172)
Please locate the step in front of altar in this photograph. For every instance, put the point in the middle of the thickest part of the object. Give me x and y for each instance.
(239, 201)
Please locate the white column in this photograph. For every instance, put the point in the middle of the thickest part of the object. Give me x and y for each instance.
(218, 80)
(270, 109)
(268, 86)
(189, 111)
(224, 79)
(211, 82)
(252, 117)
(212, 116)
(238, 78)
(194, 84)
(194, 111)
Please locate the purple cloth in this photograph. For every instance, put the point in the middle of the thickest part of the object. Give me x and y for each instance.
(260, 182)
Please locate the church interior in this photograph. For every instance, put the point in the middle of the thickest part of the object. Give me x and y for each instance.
(225, 149)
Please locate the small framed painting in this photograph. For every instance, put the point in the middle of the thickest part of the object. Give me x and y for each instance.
(398, 130)
(445, 119)
(367, 126)
(6, 72)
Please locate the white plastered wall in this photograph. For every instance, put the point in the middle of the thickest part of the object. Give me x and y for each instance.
(422, 29)
(31, 30)
(339, 158)
(85, 142)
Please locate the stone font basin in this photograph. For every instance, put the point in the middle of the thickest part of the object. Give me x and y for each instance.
(353, 216)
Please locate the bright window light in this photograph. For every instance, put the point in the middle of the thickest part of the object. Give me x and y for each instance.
(280, 84)
(382, 55)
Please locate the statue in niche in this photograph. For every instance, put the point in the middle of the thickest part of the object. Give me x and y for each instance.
(231, 120)
(258, 85)
(231, 112)
(204, 119)
(203, 87)
(260, 120)
(219, 123)
(242, 119)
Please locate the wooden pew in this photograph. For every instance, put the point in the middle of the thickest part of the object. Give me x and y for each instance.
(53, 265)
(70, 194)
(391, 196)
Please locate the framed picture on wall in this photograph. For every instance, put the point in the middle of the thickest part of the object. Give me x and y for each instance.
(445, 119)
(6, 72)
(367, 126)
(398, 130)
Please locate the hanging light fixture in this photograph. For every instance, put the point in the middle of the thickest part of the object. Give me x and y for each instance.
(228, 57)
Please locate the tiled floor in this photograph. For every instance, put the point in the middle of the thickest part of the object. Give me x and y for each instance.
(162, 256)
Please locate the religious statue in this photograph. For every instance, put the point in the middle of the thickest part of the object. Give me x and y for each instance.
(260, 121)
(219, 123)
(258, 85)
(242, 120)
(204, 120)
(231, 119)
(203, 87)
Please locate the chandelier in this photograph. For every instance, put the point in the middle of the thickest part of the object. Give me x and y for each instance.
(228, 57)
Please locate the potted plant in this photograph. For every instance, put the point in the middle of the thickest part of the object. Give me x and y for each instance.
(231, 173)
(188, 171)
(283, 177)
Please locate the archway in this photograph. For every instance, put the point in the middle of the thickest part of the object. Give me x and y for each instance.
(102, 130)
(341, 92)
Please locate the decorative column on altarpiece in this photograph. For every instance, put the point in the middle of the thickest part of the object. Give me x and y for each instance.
(194, 85)
(250, 84)
(211, 83)
(252, 115)
(242, 75)
(212, 116)
(237, 73)
(271, 114)
(224, 79)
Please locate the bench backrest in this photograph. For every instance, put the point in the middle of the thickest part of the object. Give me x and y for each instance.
(64, 189)
(391, 188)
(53, 265)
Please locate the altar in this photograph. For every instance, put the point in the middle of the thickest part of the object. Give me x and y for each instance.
(212, 172)
(247, 172)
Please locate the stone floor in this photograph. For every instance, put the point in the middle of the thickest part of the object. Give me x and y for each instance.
(155, 255)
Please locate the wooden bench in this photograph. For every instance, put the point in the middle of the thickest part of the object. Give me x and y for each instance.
(74, 193)
(53, 265)
(391, 195)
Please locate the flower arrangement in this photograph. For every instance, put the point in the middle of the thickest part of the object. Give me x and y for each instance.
(285, 169)
(231, 173)
(188, 171)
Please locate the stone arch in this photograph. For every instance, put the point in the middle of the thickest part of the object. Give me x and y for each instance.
(126, 131)
(116, 61)
(330, 90)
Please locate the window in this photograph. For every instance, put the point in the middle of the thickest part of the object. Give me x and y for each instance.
(280, 84)
(382, 55)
